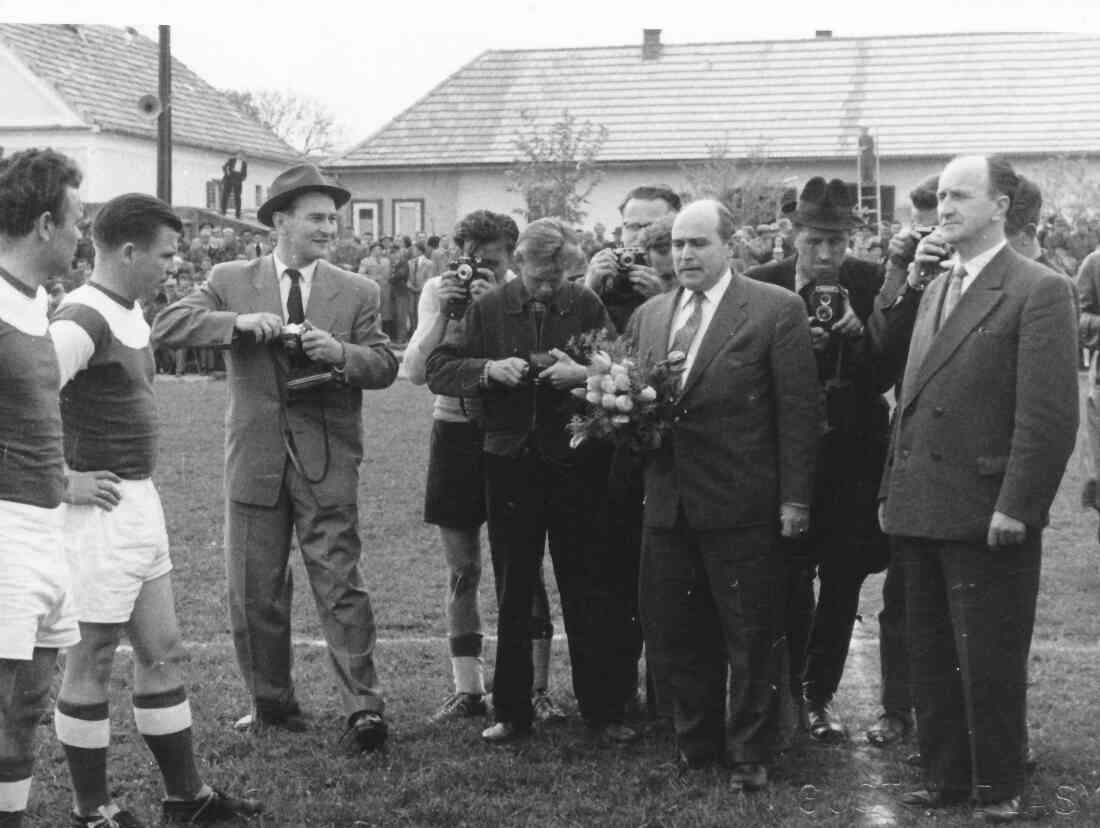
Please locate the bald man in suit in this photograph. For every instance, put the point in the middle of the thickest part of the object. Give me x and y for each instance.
(985, 426)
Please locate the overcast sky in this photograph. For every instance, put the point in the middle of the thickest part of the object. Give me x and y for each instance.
(369, 60)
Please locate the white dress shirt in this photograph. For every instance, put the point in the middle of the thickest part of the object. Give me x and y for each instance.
(976, 265)
(711, 299)
(285, 283)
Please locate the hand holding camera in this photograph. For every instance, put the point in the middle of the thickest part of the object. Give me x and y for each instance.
(315, 344)
(556, 369)
(930, 260)
(265, 327)
(465, 279)
(509, 372)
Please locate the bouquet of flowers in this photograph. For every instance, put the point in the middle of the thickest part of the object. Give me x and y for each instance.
(629, 400)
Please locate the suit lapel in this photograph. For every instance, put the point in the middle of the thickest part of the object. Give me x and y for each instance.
(322, 305)
(975, 305)
(728, 316)
(265, 283)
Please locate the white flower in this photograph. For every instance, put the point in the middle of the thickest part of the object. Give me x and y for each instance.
(609, 402)
(647, 394)
(624, 403)
(594, 397)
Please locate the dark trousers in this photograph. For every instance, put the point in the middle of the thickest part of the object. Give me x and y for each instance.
(231, 187)
(712, 612)
(531, 499)
(260, 588)
(624, 546)
(970, 612)
(893, 654)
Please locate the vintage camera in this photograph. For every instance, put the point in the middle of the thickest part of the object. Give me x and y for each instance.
(305, 374)
(465, 271)
(828, 304)
(930, 270)
(537, 362)
(620, 286)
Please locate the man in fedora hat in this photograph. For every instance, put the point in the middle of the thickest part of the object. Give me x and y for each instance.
(844, 543)
(294, 444)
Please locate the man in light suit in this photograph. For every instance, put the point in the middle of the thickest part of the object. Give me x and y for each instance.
(293, 445)
(986, 423)
(736, 467)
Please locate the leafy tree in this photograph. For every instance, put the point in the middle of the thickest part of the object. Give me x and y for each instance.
(751, 187)
(303, 122)
(556, 169)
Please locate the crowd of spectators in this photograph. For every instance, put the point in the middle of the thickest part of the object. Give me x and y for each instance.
(402, 265)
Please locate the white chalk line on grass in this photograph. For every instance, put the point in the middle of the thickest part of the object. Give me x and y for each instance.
(858, 643)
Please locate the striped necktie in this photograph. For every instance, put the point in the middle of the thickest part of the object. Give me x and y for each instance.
(686, 335)
(954, 292)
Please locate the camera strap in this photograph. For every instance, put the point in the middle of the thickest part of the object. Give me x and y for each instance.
(288, 436)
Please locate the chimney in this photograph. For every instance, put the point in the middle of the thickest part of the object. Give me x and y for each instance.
(651, 44)
(823, 34)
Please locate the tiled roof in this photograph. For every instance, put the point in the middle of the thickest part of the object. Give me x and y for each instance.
(102, 71)
(923, 94)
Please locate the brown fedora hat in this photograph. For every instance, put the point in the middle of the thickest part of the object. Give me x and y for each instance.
(305, 178)
(824, 206)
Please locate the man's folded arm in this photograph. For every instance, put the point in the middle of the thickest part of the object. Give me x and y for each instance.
(198, 320)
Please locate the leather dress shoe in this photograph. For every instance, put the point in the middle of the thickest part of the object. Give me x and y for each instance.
(366, 731)
(890, 729)
(748, 776)
(825, 726)
(925, 798)
(1007, 810)
(292, 719)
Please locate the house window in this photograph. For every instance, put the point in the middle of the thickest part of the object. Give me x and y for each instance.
(213, 194)
(366, 217)
(408, 216)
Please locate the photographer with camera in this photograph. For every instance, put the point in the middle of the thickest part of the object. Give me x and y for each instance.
(455, 496)
(844, 543)
(509, 353)
(621, 276)
(293, 446)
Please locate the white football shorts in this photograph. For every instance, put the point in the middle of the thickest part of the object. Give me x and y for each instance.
(112, 554)
(36, 608)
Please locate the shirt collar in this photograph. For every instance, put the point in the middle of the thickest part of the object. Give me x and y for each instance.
(714, 294)
(307, 271)
(977, 264)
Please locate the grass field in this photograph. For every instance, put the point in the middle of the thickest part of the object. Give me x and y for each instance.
(445, 776)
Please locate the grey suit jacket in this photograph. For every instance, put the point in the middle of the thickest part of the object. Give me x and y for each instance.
(342, 303)
(746, 426)
(988, 414)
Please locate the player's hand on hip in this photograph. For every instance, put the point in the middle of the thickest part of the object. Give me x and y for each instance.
(94, 488)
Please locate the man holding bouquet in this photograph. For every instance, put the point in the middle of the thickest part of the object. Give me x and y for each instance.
(737, 458)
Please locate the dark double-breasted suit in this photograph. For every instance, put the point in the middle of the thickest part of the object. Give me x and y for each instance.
(268, 494)
(986, 422)
(712, 589)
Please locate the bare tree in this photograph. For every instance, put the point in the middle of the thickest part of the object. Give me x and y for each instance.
(1070, 190)
(752, 187)
(303, 122)
(556, 168)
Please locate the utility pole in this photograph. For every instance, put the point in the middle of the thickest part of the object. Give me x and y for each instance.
(164, 120)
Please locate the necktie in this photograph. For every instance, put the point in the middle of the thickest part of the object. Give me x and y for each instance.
(295, 313)
(686, 335)
(954, 291)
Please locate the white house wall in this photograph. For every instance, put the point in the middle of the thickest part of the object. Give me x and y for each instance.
(449, 194)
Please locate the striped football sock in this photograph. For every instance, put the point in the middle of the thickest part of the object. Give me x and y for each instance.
(164, 721)
(84, 731)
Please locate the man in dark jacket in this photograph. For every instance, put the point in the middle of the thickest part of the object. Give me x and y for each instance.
(844, 543)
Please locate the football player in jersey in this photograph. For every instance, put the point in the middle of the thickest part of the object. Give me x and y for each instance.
(39, 210)
(115, 534)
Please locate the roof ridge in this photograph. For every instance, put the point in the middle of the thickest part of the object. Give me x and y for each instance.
(807, 39)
